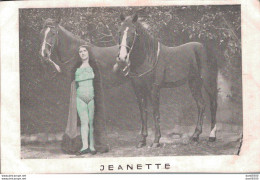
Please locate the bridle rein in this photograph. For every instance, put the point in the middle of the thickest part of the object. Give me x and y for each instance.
(135, 75)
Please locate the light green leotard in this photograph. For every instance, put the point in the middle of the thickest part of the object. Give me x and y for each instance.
(85, 105)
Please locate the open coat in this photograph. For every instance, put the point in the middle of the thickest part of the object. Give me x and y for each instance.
(71, 141)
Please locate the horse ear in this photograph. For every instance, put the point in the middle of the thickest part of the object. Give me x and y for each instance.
(58, 20)
(44, 22)
(135, 18)
(122, 17)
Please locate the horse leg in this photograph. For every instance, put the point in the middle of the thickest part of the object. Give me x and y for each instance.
(209, 75)
(195, 87)
(213, 110)
(143, 109)
(142, 104)
(211, 89)
(156, 114)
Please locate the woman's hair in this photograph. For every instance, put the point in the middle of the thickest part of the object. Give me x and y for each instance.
(92, 61)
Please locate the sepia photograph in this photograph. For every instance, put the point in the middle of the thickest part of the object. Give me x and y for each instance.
(131, 88)
(130, 81)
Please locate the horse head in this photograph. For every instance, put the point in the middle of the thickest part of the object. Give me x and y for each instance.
(49, 38)
(127, 38)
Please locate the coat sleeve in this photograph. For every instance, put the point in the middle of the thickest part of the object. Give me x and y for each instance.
(71, 140)
(99, 118)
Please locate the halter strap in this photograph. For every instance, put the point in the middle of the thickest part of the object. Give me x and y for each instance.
(134, 75)
(52, 47)
(128, 46)
(125, 46)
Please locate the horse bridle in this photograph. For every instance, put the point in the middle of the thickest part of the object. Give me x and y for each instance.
(135, 75)
(52, 45)
(132, 44)
(130, 50)
(51, 49)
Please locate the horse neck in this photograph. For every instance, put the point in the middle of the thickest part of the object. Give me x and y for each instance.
(144, 52)
(67, 44)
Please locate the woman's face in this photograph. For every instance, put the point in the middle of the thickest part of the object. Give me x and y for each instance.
(83, 53)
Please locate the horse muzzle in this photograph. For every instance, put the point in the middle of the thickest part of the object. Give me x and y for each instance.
(43, 56)
(45, 53)
(47, 59)
(122, 67)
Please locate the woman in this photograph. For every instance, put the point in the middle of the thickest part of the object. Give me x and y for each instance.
(86, 108)
(84, 77)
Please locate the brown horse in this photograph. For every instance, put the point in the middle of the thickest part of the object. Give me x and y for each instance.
(152, 65)
(59, 48)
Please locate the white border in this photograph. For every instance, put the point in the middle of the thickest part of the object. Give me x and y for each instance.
(248, 161)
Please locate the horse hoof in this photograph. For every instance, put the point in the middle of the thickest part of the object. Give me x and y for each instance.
(155, 145)
(141, 144)
(195, 139)
(212, 139)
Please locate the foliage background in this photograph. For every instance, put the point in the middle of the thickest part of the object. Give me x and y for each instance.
(44, 106)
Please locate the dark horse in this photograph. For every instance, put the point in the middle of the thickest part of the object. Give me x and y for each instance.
(152, 65)
(58, 49)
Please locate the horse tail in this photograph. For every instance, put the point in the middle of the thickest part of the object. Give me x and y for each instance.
(206, 59)
(198, 57)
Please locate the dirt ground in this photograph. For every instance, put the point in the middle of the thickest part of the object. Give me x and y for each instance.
(178, 120)
(123, 145)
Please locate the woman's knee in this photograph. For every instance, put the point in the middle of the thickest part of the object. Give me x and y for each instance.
(84, 120)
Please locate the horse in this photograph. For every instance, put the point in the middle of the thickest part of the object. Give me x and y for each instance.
(59, 47)
(152, 66)
(58, 50)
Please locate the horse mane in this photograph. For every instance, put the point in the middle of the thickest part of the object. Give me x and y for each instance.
(52, 22)
(73, 55)
(149, 43)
